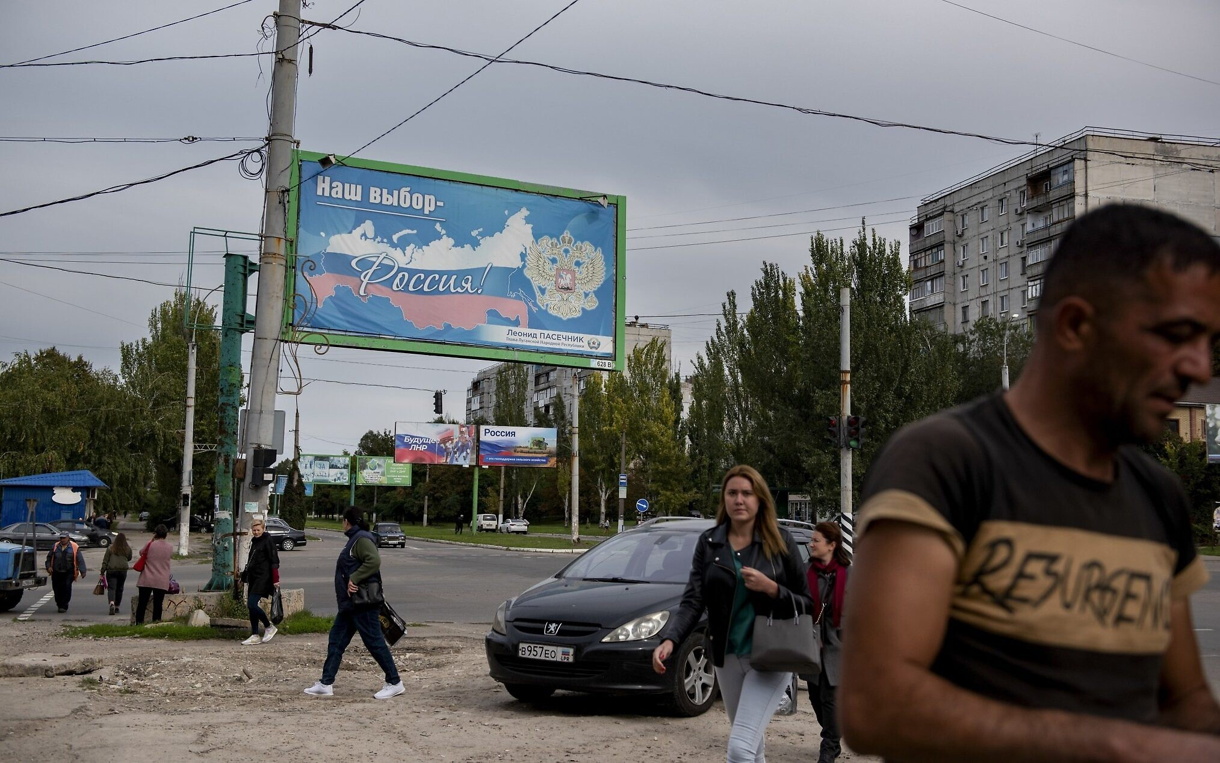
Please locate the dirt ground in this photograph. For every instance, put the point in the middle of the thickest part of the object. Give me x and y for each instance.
(219, 701)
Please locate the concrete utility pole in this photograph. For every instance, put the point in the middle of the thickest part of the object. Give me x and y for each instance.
(575, 456)
(269, 304)
(188, 450)
(845, 398)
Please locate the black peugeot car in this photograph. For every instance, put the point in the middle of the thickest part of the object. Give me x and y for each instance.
(592, 626)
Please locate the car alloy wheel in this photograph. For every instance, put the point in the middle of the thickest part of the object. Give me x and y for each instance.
(287, 545)
(103, 542)
(694, 688)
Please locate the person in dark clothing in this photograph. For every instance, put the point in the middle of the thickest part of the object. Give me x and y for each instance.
(358, 562)
(459, 524)
(827, 575)
(744, 566)
(65, 563)
(101, 522)
(262, 577)
(115, 563)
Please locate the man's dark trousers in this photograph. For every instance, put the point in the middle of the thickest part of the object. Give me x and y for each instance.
(61, 583)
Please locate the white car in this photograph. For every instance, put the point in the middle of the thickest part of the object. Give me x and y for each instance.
(487, 523)
(515, 526)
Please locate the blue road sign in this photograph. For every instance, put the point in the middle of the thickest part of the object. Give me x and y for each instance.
(622, 480)
(641, 505)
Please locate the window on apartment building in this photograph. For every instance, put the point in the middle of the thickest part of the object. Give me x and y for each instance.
(963, 251)
(935, 225)
(1003, 304)
(1061, 174)
(1024, 297)
(1038, 253)
(1003, 267)
(965, 313)
(961, 221)
(984, 244)
(1062, 210)
(928, 286)
(984, 276)
(930, 257)
(1021, 198)
(1001, 205)
(1035, 288)
(984, 213)
(965, 281)
(1022, 266)
(1003, 242)
(985, 308)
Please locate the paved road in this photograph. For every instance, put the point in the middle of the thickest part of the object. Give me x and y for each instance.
(426, 582)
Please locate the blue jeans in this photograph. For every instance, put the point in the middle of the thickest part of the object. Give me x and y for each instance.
(347, 622)
(257, 615)
(750, 697)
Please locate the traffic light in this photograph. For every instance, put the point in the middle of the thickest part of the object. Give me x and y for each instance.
(833, 435)
(263, 471)
(854, 434)
(437, 407)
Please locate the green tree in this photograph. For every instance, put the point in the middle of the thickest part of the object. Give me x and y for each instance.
(153, 370)
(656, 456)
(981, 352)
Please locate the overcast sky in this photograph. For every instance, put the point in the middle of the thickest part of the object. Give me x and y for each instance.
(691, 162)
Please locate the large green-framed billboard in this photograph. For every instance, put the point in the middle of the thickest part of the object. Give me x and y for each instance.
(409, 259)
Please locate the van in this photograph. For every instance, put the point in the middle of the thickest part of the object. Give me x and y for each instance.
(487, 523)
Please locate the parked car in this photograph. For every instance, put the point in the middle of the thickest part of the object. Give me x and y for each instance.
(198, 524)
(93, 536)
(515, 526)
(389, 534)
(46, 535)
(284, 535)
(592, 626)
(487, 523)
(143, 516)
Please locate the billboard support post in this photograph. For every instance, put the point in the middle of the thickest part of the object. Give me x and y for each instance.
(575, 456)
(269, 303)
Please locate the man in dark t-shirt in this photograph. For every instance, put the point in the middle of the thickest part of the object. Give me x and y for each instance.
(1021, 582)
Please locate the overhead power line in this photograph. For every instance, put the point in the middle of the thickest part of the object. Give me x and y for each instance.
(125, 186)
(1080, 44)
(133, 34)
(188, 139)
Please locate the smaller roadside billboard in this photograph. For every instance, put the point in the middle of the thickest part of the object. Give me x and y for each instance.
(326, 470)
(381, 470)
(1211, 432)
(423, 443)
(517, 446)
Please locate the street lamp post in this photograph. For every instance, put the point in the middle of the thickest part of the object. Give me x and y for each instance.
(1004, 368)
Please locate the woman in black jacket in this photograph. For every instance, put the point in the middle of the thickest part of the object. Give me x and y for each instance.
(262, 577)
(744, 566)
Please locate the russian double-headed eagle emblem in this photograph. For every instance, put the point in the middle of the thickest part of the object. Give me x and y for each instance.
(565, 274)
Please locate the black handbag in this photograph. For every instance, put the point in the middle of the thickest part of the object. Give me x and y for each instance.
(789, 644)
(393, 627)
(368, 594)
(277, 607)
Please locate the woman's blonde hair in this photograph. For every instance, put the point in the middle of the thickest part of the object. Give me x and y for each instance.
(256, 521)
(764, 522)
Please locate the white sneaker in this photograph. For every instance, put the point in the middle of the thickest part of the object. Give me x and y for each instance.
(252, 640)
(269, 633)
(320, 690)
(390, 690)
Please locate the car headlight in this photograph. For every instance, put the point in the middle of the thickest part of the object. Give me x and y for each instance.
(498, 622)
(639, 628)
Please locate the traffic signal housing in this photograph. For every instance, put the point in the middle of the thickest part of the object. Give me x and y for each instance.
(437, 403)
(854, 432)
(834, 434)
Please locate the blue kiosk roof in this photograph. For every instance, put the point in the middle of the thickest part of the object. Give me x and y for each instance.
(78, 478)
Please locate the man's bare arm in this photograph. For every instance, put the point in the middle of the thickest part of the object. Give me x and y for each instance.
(1186, 699)
(891, 704)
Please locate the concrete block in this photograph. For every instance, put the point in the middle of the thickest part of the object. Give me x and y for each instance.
(183, 604)
(48, 665)
(199, 619)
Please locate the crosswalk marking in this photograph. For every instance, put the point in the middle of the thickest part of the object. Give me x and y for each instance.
(29, 612)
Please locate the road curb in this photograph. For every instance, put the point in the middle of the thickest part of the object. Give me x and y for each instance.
(503, 548)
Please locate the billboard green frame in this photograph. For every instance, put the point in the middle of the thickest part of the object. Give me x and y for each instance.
(314, 336)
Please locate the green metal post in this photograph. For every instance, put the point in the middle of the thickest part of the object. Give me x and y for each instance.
(234, 322)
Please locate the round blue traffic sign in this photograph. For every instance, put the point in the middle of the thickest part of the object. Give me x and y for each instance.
(641, 505)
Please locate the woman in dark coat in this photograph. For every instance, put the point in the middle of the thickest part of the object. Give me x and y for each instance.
(262, 577)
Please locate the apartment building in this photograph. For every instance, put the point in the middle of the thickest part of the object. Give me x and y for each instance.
(545, 383)
(979, 248)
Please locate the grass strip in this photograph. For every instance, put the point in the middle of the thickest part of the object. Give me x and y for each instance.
(177, 630)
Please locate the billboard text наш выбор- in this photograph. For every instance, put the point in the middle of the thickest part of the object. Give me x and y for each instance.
(517, 446)
(381, 470)
(404, 258)
(422, 443)
(325, 470)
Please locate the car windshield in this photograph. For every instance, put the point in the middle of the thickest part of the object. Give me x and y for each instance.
(653, 557)
(388, 528)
